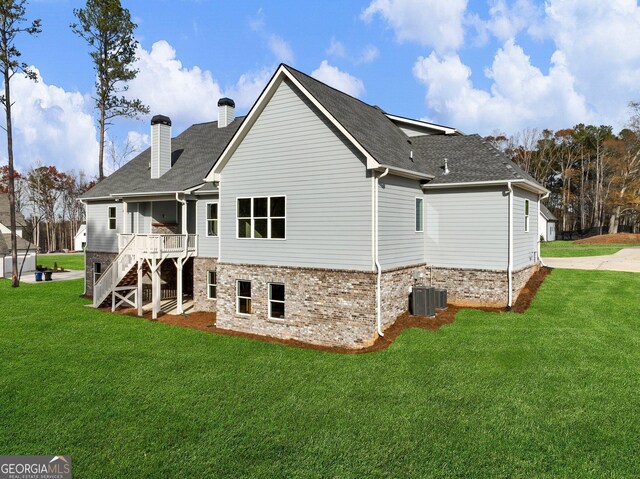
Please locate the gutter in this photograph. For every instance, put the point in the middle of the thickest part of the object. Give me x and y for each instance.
(521, 183)
(376, 259)
(510, 257)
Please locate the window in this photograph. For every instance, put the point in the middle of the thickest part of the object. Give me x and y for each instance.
(419, 217)
(212, 284)
(97, 271)
(261, 218)
(526, 215)
(112, 217)
(276, 301)
(212, 219)
(243, 294)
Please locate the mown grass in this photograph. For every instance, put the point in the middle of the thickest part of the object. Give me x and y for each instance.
(549, 393)
(70, 261)
(569, 249)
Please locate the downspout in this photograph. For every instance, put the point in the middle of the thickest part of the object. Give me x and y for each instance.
(376, 259)
(510, 259)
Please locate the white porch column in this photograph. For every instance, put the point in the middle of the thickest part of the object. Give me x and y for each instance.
(184, 216)
(125, 217)
(179, 265)
(155, 288)
(140, 267)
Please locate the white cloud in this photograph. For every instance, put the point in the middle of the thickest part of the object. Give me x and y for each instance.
(506, 19)
(434, 23)
(248, 87)
(338, 79)
(521, 95)
(280, 49)
(187, 95)
(52, 126)
(336, 49)
(600, 43)
(369, 54)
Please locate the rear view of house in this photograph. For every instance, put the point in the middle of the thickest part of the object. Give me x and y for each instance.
(312, 217)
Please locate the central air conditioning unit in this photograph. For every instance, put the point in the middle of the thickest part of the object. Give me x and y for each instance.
(441, 298)
(423, 301)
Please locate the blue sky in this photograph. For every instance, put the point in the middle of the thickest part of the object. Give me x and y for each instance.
(481, 66)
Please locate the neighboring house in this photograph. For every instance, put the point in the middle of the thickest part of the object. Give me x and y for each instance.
(80, 239)
(547, 224)
(312, 217)
(26, 251)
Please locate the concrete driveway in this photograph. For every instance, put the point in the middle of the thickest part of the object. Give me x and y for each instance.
(627, 259)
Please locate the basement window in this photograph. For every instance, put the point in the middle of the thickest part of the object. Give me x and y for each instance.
(276, 301)
(212, 285)
(112, 217)
(526, 215)
(243, 297)
(97, 271)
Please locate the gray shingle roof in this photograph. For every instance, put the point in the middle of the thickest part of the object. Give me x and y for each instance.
(469, 158)
(369, 125)
(4, 212)
(193, 153)
(5, 244)
(547, 214)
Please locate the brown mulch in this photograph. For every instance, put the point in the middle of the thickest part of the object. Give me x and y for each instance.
(207, 321)
(618, 238)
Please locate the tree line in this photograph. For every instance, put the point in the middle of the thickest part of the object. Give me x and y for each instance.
(50, 197)
(593, 174)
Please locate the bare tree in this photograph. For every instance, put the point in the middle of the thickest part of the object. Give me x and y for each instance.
(12, 20)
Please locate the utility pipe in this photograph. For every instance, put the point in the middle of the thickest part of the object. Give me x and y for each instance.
(510, 260)
(376, 259)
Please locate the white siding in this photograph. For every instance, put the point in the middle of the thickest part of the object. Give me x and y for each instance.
(207, 246)
(525, 244)
(399, 243)
(29, 264)
(99, 236)
(292, 150)
(467, 228)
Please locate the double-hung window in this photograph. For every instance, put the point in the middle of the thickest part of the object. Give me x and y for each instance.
(276, 300)
(262, 217)
(212, 219)
(419, 217)
(526, 215)
(212, 285)
(112, 217)
(243, 297)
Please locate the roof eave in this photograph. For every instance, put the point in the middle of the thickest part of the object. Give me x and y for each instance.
(524, 184)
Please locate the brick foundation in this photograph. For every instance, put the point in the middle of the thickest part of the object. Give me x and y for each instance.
(96, 257)
(395, 286)
(326, 307)
(200, 268)
(478, 287)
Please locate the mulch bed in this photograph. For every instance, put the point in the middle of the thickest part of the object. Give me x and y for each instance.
(206, 321)
(618, 238)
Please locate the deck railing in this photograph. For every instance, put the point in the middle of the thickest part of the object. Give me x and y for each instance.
(151, 245)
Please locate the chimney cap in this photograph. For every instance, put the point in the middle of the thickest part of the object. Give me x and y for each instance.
(226, 102)
(163, 120)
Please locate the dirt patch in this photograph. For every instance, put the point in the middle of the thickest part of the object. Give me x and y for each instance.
(207, 321)
(618, 238)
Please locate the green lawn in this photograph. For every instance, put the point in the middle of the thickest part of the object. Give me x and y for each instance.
(569, 249)
(550, 393)
(66, 261)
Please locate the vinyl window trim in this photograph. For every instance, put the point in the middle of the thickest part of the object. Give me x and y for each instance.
(419, 200)
(210, 284)
(283, 302)
(216, 220)
(268, 217)
(526, 215)
(238, 297)
(113, 217)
